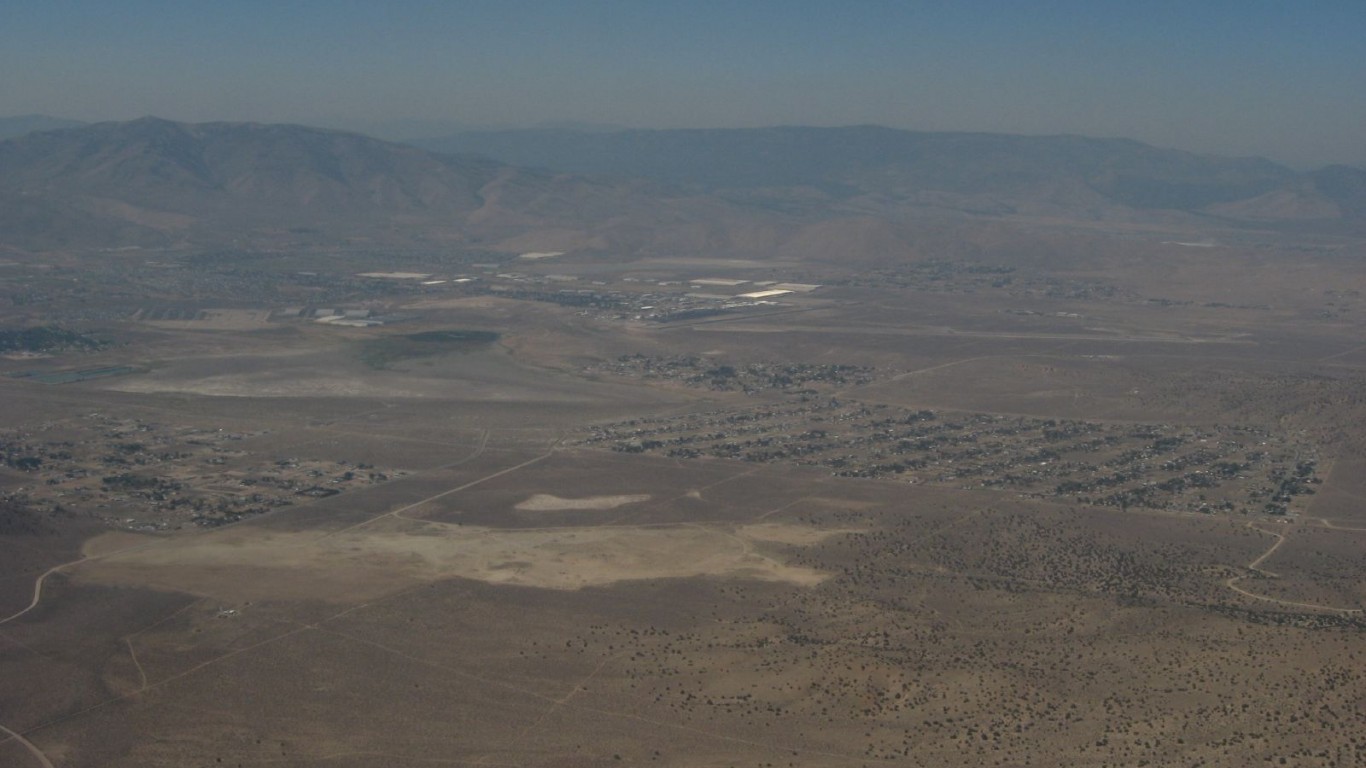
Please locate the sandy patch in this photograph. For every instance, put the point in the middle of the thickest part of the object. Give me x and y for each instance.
(833, 503)
(219, 320)
(114, 541)
(460, 302)
(363, 564)
(797, 535)
(544, 502)
(271, 385)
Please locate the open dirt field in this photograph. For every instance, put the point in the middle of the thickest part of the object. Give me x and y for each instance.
(825, 602)
(363, 564)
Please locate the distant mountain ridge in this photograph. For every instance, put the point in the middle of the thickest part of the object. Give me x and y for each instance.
(972, 172)
(19, 125)
(860, 192)
(153, 181)
(180, 167)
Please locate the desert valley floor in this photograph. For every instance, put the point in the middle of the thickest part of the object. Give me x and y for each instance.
(934, 521)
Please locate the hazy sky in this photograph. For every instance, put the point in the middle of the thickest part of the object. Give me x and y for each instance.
(1282, 79)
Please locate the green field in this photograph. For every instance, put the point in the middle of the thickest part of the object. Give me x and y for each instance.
(380, 354)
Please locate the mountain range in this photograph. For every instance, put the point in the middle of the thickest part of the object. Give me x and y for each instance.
(741, 191)
(1070, 176)
(19, 125)
(157, 182)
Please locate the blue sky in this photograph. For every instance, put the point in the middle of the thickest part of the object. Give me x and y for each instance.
(1282, 79)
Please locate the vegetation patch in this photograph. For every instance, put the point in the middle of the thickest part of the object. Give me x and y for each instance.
(382, 353)
(72, 377)
(47, 339)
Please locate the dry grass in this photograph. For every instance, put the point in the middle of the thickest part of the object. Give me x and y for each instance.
(545, 502)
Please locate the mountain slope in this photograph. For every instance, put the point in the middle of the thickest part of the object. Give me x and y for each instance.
(1344, 186)
(860, 192)
(153, 181)
(188, 168)
(19, 125)
(882, 168)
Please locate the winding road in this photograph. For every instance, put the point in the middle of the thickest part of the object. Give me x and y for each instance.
(1255, 565)
(26, 744)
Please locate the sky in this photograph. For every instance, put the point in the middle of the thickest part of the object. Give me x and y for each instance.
(1285, 80)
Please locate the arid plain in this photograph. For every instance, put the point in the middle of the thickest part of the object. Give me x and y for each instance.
(1101, 511)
